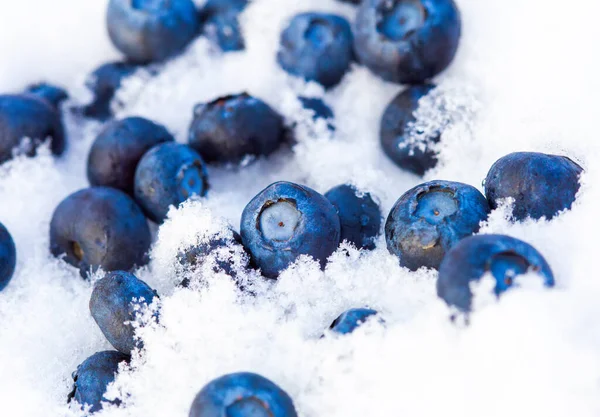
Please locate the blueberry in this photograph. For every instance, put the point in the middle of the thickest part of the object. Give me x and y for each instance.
(222, 250)
(27, 116)
(286, 220)
(360, 216)
(100, 227)
(395, 135)
(226, 5)
(151, 30)
(93, 376)
(8, 257)
(51, 93)
(119, 147)
(223, 29)
(407, 41)
(167, 175)
(504, 257)
(242, 394)
(228, 129)
(116, 301)
(320, 110)
(350, 320)
(541, 185)
(104, 83)
(431, 218)
(316, 47)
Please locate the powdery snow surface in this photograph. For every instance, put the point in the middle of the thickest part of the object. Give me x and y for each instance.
(525, 79)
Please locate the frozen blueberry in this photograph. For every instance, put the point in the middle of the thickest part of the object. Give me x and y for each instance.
(117, 150)
(8, 257)
(504, 257)
(224, 251)
(93, 376)
(395, 135)
(431, 218)
(27, 116)
(100, 227)
(51, 93)
(316, 47)
(104, 83)
(360, 217)
(231, 128)
(407, 41)
(226, 5)
(151, 30)
(117, 300)
(167, 175)
(350, 320)
(222, 28)
(286, 220)
(242, 394)
(320, 110)
(541, 185)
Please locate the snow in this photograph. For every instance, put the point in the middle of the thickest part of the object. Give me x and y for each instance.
(526, 72)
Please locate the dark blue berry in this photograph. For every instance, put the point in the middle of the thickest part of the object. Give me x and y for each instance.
(224, 251)
(8, 257)
(431, 218)
(93, 376)
(541, 185)
(151, 30)
(117, 150)
(504, 257)
(242, 394)
(231, 128)
(51, 93)
(350, 320)
(316, 47)
(100, 227)
(398, 141)
(320, 110)
(117, 301)
(287, 220)
(360, 216)
(226, 5)
(222, 28)
(28, 116)
(104, 83)
(407, 41)
(167, 175)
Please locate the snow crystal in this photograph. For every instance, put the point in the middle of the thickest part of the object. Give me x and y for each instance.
(525, 79)
(447, 111)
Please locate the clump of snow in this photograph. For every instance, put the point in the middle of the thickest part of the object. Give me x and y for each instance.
(446, 113)
(193, 226)
(530, 71)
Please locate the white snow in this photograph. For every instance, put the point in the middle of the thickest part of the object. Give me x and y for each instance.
(530, 69)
